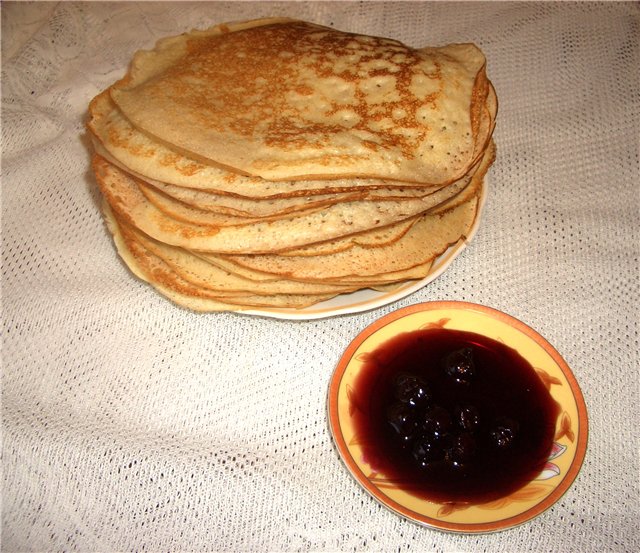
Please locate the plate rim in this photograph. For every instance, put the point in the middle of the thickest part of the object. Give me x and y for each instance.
(520, 518)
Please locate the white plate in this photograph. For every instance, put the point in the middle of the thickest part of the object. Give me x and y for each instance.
(364, 300)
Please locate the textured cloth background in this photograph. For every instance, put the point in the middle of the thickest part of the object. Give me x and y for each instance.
(131, 424)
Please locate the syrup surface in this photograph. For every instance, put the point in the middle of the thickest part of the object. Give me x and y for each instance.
(465, 461)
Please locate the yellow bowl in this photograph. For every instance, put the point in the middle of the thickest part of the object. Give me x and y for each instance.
(570, 439)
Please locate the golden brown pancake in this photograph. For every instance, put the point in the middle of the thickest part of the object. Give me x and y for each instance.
(154, 270)
(124, 195)
(426, 240)
(209, 275)
(122, 144)
(291, 100)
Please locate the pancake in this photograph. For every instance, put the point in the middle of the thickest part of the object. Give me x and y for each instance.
(293, 100)
(197, 294)
(208, 275)
(156, 272)
(383, 280)
(249, 207)
(391, 233)
(190, 214)
(242, 206)
(378, 237)
(115, 138)
(124, 195)
(426, 240)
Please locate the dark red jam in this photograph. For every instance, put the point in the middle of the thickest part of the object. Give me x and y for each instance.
(453, 416)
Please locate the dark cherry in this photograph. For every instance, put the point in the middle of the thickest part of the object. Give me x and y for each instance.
(412, 389)
(467, 416)
(460, 365)
(436, 421)
(462, 450)
(403, 419)
(427, 450)
(504, 432)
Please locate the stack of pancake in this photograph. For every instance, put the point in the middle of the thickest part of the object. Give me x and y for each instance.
(276, 163)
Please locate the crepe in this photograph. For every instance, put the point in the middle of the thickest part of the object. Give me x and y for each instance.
(290, 100)
(210, 275)
(126, 199)
(426, 240)
(156, 272)
(115, 138)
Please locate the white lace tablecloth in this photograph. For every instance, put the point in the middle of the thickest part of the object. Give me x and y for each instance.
(131, 424)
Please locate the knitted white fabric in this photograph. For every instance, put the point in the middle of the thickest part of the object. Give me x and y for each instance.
(131, 424)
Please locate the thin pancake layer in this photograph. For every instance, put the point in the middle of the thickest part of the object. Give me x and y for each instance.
(156, 272)
(209, 275)
(125, 197)
(389, 234)
(117, 140)
(426, 240)
(290, 100)
(185, 212)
